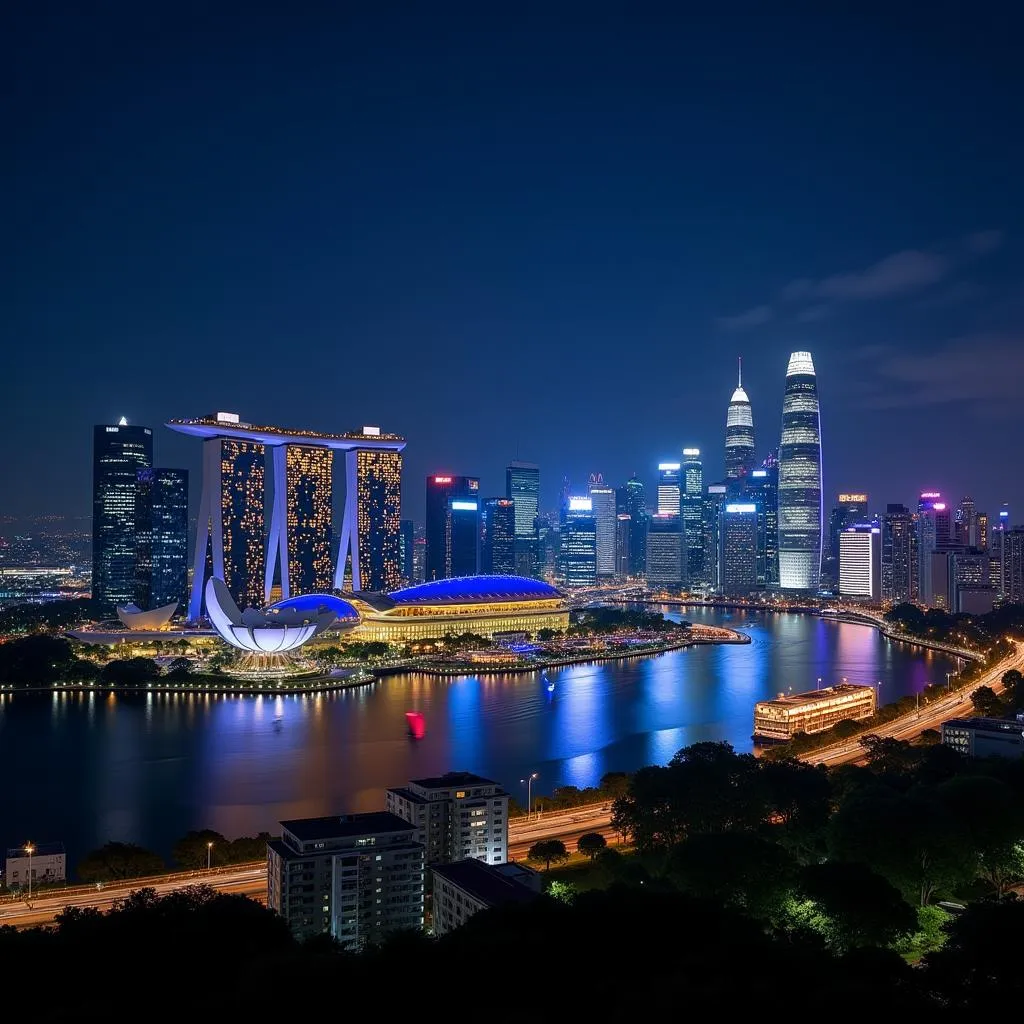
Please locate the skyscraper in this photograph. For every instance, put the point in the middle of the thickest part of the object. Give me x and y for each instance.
(739, 433)
(242, 474)
(379, 497)
(497, 537)
(715, 497)
(623, 532)
(929, 505)
(161, 535)
(453, 526)
(666, 562)
(800, 507)
(897, 550)
(407, 532)
(762, 487)
(850, 508)
(309, 474)
(669, 496)
(693, 514)
(119, 451)
(630, 501)
(602, 499)
(738, 548)
(579, 544)
(522, 485)
(1013, 565)
(860, 561)
(965, 524)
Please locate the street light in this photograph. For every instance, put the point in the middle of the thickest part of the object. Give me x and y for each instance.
(948, 676)
(29, 849)
(529, 793)
(209, 855)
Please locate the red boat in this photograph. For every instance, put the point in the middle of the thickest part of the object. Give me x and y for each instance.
(417, 724)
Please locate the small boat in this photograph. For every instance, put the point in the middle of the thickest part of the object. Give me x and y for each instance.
(278, 722)
(416, 723)
(551, 686)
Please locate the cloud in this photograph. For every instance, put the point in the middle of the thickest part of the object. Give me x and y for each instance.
(750, 318)
(901, 272)
(981, 243)
(813, 313)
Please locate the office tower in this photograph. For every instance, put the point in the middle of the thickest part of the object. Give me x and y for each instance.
(850, 508)
(800, 478)
(119, 451)
(623, 532)
(738, 548)
(304, 552)
(522, 485)
(1013, 566)
(355, 877)
(715, 497)
(547, 545)
(161, 537)
(630, 501)
(761, 486)
(860, 561)
(666, 562)
(739, 433)
(453, 526)
(983, 537)
(457, 816)
(669, 497)
(928, 506)
(693, 514)
(896, 555)
(943, 525)
(379, 497)
(497, 537)
(407, 534)
(965, 524)
(419, 559)
(579, 544)
(971, 590)
(602, 498)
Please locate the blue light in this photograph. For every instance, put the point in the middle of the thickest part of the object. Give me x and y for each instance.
(759, 472)
(313, 603)
(740, 508)
(476, 588)
(464, 506)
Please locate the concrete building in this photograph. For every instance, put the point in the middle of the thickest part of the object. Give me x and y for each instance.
(457, 816)
(47, 865)
(602, 503)
(666, 557)
(469, 886)
(860, 562)
(985, 737)
(737, 557)
(356, 877)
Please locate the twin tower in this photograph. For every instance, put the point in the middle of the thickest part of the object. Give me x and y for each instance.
(800, 492)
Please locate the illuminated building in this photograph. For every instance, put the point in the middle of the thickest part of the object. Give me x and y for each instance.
(452, 526)
(497, 537)
(738, 548)
(666, 562)
(815, 711)
(379, 489)
(161, 537)
(965, 524)
(715, 498)
(241, 522)
(304, 547)
(623, 532)
(522, 486)
(739, 433)
(630, 501)
(466, 887)
(484, 605)
(850, 509)
(897, 553)
(800, 506)
(930, 508)
(150, 620)
(407, 532)
(457, 816)
(602, 498)
(355, 877)
(119, 451)
(971, 590)
(984, 737)
(578, 556)
(860, 561)
(761, 486)
(983, 532)
(1013, 566)
(669, 497)
(692, 509)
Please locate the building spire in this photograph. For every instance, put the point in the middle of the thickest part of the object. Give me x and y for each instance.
(739, 382)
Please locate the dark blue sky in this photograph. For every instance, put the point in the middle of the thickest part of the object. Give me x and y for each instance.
(502, 231)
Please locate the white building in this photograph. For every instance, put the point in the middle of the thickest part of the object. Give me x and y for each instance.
(602, 503)
(860, 562)
(469, 886)
(48, 864)
(457, 816)
(985, 737)
(357, 877)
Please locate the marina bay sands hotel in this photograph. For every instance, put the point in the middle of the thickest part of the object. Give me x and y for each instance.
(298, 548)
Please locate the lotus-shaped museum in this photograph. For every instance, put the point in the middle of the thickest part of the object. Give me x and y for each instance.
(281, 627)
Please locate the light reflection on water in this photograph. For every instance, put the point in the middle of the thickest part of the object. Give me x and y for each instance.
(147, 768)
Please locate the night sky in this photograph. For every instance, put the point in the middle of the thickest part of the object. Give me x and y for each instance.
(497, 231)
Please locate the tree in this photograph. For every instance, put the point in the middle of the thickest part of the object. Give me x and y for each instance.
(130, 672)
(547, 852)
(179, 668)
(614, 784)
(590, 844)
(193, 849)
(35, 660)
(118, 861)
(247, 848)
(987, 703)
(1013, 689)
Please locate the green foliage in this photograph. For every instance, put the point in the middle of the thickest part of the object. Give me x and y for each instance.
(116, 861)
(615, 620)
(590, 844)
(53, 615)
(564, 892)
(36, 660)
(190, 852)
(130, 672)
(985, 702)
(548, 852)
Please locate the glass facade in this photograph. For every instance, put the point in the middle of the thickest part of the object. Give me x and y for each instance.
(738, 548)
(800, 507)
(630, 502)
(739, 433)
(579, 544)
(242, 476)
(309, 473)
(405, 557)
(453, 504)
(161, 530)
(666, 564)
(379, 501)
(669, 489)
(522, 486)
(897, 552)
(693, 514)
(497, 533)
(119, 451)
(603, 503)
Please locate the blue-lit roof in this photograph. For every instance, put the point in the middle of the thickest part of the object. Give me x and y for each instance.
(312, 603)
(476, 589)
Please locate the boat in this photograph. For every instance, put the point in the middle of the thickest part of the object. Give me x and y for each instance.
(549, 684)
(416, 723)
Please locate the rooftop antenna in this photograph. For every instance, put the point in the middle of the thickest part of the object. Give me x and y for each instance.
(739, 383)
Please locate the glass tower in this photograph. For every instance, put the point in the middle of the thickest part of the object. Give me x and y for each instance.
(161, 532)
(453, 506)
(309, 475)
(498, 534)
(407, 529)
(739, 433)
(738, 548)
(669, 491)
(119, 451)
(242, 475)
(800, 508)
(522, 486)
(630, 502)
(602, 498)
(379, 500)
(579, 544)
(693, 513)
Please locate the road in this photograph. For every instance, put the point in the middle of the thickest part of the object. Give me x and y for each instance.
(565, 825)
(957, 704)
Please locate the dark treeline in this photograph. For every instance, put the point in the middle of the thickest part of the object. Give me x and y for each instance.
(973, 631)
(52, 615)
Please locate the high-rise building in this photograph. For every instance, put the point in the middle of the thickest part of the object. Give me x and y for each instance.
(965, 524)
(355, 877)
(497, 537)
(896, 556)
(407, 534)
(602, 498)
(715, 497)
(453, 526)
(930, 509)
(761, 486)
(860, 561)
(579, 544)
(800, 478)
(161, 537)
(739, 433)
(307, 556)
(522, 485)
(379, 496)
(119, 451)
(850, 508)
(630, 501)
(623, 534)
(1013, 566)
(970, 588)
(669, 489)
(666, 562)
(737, 556)
(419, 559)
(242, 482)
(693, 514)
(984, 536)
